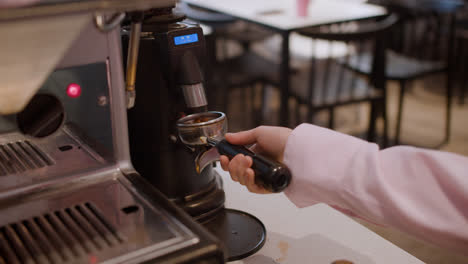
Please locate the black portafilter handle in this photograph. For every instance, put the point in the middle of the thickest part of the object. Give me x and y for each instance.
(271, 175)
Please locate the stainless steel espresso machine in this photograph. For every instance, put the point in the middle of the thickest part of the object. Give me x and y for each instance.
(68, 191)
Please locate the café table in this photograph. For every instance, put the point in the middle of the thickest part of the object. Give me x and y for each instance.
(281, 16)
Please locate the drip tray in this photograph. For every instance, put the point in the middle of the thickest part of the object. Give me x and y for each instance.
(59, 236)
(20, 156)
(90, 224)
(242, 234)
(26, 162)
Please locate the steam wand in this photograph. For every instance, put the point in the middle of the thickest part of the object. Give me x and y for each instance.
(132, 61)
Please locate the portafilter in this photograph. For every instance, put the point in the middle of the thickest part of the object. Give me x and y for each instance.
(208, 129)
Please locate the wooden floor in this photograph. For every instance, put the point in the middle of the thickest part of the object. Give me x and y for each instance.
(423, 124)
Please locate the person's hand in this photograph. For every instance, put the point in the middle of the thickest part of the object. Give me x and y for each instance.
(268, 141)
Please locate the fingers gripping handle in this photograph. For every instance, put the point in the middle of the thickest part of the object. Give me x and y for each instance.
(271, 175)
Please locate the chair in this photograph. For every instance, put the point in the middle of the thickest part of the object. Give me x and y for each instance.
(417, 51)
(330, 84)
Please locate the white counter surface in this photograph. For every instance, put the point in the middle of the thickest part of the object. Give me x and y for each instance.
(317, 234)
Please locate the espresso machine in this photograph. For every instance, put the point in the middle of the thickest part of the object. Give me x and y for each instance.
(174, 139)
(68, 190)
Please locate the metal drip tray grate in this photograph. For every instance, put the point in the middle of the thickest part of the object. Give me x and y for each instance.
(68, 235)
(21, 156)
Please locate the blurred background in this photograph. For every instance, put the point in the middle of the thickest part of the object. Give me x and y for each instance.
(388, 71)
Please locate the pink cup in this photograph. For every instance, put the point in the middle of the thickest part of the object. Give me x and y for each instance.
(302, 7)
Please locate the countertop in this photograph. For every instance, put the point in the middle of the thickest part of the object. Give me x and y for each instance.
(316, 234)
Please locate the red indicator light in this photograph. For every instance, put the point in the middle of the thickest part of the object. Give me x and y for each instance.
(74, 90)
(93, 259)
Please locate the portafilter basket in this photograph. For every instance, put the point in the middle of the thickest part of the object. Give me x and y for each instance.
(209, 128)
(195, 129)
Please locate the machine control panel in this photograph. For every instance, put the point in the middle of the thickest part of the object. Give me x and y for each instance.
(185, 39)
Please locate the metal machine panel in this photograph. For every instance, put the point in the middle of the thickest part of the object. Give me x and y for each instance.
(68, 191)
(66, 7)
(89, 224)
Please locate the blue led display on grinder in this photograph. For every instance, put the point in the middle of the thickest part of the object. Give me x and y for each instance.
(185, 39)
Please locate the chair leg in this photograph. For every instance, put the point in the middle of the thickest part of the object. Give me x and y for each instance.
(310, 114)
(298, 114)
(253, 96)
(331, 118)
(372, 122)
(463, 65)
(244, 101)
(400, 110)
(225, 100)
(385, 123)
(263, 101)
(463, 89)
(259, 112)
(448, 110)
(460, 65)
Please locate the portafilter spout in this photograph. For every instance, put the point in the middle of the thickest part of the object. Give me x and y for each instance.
(208, 129)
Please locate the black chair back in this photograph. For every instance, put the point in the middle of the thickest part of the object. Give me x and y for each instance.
(330, 82)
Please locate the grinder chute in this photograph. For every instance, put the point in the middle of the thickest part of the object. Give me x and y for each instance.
(191, 81)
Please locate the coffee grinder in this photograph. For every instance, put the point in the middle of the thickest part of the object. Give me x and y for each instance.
(170, 87)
